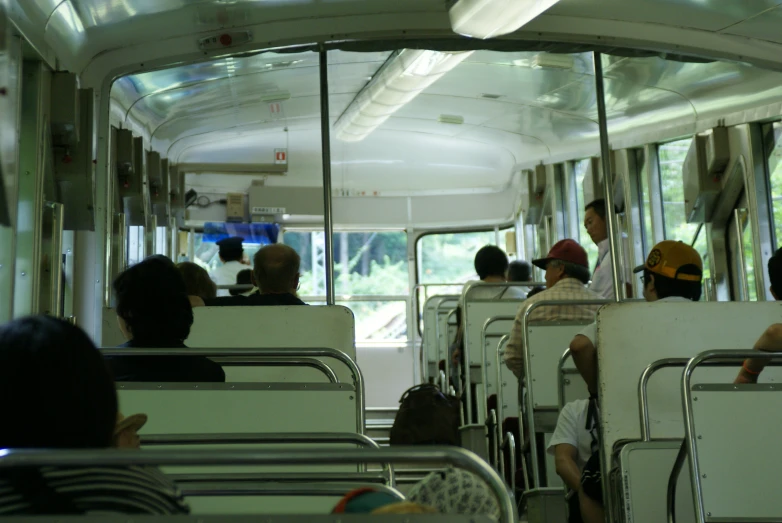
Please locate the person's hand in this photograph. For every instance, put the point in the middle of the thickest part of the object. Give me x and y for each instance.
(745, 377)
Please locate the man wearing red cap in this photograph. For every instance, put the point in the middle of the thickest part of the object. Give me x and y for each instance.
(567, 273)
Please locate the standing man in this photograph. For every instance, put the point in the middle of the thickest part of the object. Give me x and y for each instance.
(597, 228)
(230, 254)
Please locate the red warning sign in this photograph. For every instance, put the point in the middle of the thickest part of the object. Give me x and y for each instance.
(281, 156)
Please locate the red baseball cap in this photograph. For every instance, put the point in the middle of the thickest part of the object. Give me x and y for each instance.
(566, 251)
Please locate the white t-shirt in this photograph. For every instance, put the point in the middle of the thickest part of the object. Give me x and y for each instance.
(571, 429)
(497, 293)
(603, 276)
(225, 274)
(590, 331)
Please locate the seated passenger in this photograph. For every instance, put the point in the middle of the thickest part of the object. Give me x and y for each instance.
(491, 264)
(58, 394)
(153, 311)
(243, 277)
(276, 274)
(199, 285)
(771, 340)
(567, 273)
(673, 272)
(572, 444)
(520, 271)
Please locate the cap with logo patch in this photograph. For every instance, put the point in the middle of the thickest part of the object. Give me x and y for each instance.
(668, 257)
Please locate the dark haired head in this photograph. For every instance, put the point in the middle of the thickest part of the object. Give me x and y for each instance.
(55, 387)
(519, 271)
(666, 287)
(243, 277)
(197, 281)
(490, 260)
(599, 206)
(775, 274)
(152, 300)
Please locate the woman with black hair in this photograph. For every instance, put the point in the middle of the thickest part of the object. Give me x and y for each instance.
(58, 394)
(153, 311)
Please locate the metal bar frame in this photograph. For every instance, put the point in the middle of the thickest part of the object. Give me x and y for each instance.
(325, 137)
(608, 179)
(740, 248)
(425, 359)
(447, 355)
(454, 456)
(510, 441)
(358, 378)
(689, 421)
(561, 377)
(500, 395)
(281, 362)
(269, 438)
(526, 312)
(226, 488)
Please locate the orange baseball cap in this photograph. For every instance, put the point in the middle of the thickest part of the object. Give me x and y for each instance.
(668, 257)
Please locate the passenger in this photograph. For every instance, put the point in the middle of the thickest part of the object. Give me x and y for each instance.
(519, 271)
(597, 228)
(231, 253)
(491, 264)
(243, 277)
(199, 285)
(771, 340)
(58, 394)
(572, 444)
(673, 272)
(567, 273)
(276, 274)
(153, 311)
(428, 417)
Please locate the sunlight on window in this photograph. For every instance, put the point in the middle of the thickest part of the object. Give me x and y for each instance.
(580, 169)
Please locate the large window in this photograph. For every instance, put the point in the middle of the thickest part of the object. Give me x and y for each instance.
(366, 265)
(586, 242)
(671, 156)
(646, 207)
(449, 257)
(773, 143)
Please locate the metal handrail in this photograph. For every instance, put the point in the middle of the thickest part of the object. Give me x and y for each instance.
(281, 362)
(227, 488)
(561, 377)
(268, 438)
(510, 442)
(231, 352)
(458, 457)
(447, 355)
(491, 420)
(500, 394)
(442, 297)
(526, 310)
(486, 324)
(689, 421)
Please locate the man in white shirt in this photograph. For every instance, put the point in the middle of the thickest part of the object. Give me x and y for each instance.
(572, 444)
(230, 254)
(673, 272)
(602, 277)
(491, 265)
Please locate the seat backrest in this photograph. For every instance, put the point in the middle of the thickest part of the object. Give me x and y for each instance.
(276, 327)
(630, 336)
(432, 322)
(737, 454)
(546, 342)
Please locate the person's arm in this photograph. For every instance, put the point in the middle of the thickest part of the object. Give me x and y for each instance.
(770, 341)
(514, 358)
(585, 357)
(567, 468)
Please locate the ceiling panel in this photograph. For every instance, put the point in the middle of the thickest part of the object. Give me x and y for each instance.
(765, 26)
(710, 15)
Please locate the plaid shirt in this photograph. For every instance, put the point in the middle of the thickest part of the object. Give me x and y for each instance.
(565, 289)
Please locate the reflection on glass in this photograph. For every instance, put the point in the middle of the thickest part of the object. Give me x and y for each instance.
(135, 247)
(580, 168)
(672, 155)
(379, 320)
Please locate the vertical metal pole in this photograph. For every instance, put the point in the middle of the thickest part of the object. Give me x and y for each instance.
(608, 181)
(325, 139)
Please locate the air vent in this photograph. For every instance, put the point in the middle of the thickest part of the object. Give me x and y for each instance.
(491, 96)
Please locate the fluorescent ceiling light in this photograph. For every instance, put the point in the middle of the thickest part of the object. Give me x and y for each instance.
(490, 18)
(399, 80)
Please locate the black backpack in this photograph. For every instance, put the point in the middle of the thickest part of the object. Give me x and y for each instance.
(426, 416)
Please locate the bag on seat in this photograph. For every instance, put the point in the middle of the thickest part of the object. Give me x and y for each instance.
(426, 416)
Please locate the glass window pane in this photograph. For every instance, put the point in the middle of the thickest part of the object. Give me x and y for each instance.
(672, 155)
(449, 258)
(646, 216)
(379, 320)
(580, 169)
(774, 153)
(749, 258)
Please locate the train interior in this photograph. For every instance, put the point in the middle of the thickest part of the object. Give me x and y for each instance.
(386, 149)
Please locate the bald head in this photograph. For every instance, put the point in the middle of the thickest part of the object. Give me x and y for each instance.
(276, 269)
